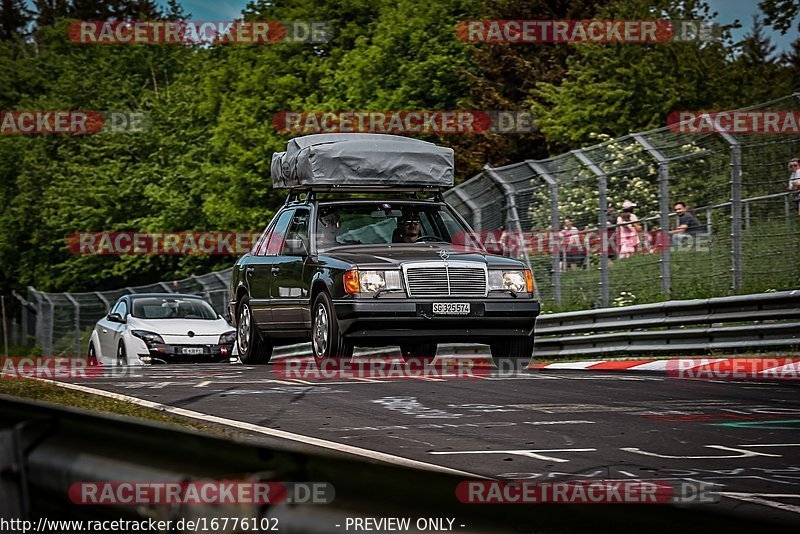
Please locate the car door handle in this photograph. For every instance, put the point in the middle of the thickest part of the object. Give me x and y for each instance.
(250, 271)
(275, 271)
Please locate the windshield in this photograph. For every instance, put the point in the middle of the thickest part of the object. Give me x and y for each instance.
(385, 223)
(172, 308)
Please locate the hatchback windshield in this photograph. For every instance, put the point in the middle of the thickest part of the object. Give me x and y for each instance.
(172, 308)
(385, 223)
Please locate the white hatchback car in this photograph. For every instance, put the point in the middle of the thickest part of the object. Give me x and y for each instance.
(159, 328)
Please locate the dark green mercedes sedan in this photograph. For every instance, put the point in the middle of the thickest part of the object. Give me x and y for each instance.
(394, 270)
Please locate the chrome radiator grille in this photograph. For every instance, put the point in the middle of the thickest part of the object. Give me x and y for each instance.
(440, 280)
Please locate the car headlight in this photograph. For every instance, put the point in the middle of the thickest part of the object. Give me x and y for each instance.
(371, 281)
(227, 338)
(150, 338)
(515, 281)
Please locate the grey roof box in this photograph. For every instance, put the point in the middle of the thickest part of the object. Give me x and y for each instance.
(352, 160)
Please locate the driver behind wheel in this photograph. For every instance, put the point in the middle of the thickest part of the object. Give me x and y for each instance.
(409, 228)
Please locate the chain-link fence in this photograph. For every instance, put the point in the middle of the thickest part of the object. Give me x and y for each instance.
(745, 238)
(61, 323)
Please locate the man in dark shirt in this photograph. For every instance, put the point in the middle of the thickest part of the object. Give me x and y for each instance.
(688, 225)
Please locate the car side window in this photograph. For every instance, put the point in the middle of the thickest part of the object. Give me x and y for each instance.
(277, 236)
(298, 229)
(120, 308)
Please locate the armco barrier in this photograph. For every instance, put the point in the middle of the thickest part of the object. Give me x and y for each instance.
(761, 321)
(44, 449)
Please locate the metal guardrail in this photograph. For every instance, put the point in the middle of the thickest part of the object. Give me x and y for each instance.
(754, 322)
(44, 449)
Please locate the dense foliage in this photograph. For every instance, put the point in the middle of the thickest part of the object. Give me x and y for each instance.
(203, 163)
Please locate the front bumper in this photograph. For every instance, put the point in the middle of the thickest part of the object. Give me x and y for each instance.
(162, 353)
(393, 319)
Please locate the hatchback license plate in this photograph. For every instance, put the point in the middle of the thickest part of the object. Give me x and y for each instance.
(192, 350)
(451, 308)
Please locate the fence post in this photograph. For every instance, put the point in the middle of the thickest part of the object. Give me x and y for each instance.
(46, 333)
(473, 207)
(664, 205)
(77, 323)
(555, 226)
(736, 210)
(512, 217)
(746, 215)
(602, 191)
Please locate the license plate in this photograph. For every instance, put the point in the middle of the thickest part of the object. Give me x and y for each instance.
(192, 350)
(451, 308)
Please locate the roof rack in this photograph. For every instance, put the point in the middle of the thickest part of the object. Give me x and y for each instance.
(312, 191)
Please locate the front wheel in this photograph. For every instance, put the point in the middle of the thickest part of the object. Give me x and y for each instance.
(91, 358)
(253, 348)
(122, 356)
(512, 353)
(326, 338)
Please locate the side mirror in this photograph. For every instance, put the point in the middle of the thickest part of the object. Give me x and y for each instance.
(296, 247)
(495, 248)
(115, 318)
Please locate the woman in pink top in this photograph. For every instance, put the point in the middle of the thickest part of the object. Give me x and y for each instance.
(628, 231)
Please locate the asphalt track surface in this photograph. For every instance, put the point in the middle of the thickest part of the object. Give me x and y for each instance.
(742, 436)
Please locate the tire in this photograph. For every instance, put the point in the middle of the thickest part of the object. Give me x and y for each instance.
(91, 356)
(254, 348)
(122, 356)
(424, 352)
(327, 341)
(512, 353)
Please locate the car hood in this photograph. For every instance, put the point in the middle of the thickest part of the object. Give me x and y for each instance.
(180, 327)
(387, 256)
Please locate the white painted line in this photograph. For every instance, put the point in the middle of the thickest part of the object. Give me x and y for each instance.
(657, 365)
(574, 365)
(757, 498)
(772, 445)
(203, 384)
(308, 440)
(790, 370)
(527, 453)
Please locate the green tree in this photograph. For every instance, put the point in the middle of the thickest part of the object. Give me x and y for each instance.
(616, 88)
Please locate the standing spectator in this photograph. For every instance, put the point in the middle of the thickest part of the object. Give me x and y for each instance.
(611, 222)
(794, 180)
(688, 225)
(628, 234)
(573, 250)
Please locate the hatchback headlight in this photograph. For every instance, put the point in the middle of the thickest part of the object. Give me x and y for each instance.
(515, 281)
(227, 338)
(150, 338)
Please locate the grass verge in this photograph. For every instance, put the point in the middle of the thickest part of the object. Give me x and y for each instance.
(46, 392)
